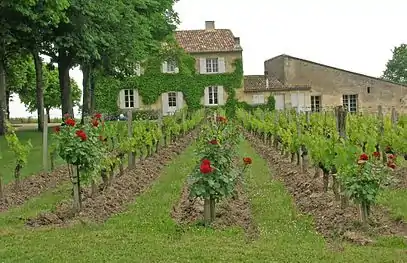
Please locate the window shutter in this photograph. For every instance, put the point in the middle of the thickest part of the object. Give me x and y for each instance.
(164, 102)
(202, 65)
(294, 100)
(254, 99)
(220, 95)
(279, 102)
(221, 65)
(121, 99)
(138, 69)
(260, 99)
(180, 100)
(206, 96)
(164, 67)
(301, 101)
(136, 99)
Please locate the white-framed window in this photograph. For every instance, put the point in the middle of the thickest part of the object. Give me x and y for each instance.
(315, 103)
(171, 66)
(350, 102)
(212, 65)
(129, 98)
(258, 99)
(172, 99)
(213, 95)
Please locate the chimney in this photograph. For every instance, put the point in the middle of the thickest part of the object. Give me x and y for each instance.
(209, 25)
(237, 40)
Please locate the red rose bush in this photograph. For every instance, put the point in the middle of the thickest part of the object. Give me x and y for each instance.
(80, 147)
(216, 173)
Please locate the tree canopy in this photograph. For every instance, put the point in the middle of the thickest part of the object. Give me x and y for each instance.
(110, 36)
(396, 67)
(52, 95)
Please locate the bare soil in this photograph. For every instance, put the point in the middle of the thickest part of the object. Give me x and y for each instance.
(400, 176)
(233, 211)
(330, 220)
(32, 186)
(116, 197)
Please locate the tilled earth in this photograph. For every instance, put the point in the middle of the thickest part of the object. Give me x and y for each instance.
(330, 220)
(122, 191)
(32, 186)
(233, 211)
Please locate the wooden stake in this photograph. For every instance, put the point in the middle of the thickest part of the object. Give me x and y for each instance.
(45, 144)
(130, 134)
(341, 127)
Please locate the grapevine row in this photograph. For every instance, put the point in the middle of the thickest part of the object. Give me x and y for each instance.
(358, 152)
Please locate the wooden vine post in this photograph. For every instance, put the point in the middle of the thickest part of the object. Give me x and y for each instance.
(394, 117)
(381, 130)
(130, 134)
(160, 128)
(264, 131)
(276, 119)
(207, 211)
(76, 189)
(299, 150)
(45, 144)
(341, 127)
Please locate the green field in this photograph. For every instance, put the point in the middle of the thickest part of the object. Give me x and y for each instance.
(146, 232)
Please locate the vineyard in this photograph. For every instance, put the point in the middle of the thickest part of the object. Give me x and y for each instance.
(264, 186)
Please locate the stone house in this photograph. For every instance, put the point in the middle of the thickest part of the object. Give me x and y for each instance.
(324, 87)
(214, 50)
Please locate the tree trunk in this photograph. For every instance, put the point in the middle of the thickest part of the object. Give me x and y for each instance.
(39, 84)
(2, 98)
(47, 110)
(8, 95)
(86, 91)
(65, 84)
(92, 92)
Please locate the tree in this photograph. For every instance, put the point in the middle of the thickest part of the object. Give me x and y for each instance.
(396, 67)
(52, 98)
(125, 42)
(22, 25)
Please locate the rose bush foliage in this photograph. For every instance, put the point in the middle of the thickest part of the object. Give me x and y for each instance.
(216, 174)
(81, 145)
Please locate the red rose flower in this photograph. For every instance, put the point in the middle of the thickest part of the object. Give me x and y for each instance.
(206, 162)
(205, 168)
(363, 157)
(57, 129)
(95, 123)
(70, 122)
(214, 142)
(247, 160)
(221, 119)
(391, 156)
(376, 154)
(81, 134)
(391, 165)
(98, 116)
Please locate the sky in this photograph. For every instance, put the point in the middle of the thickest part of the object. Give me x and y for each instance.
(356, 35)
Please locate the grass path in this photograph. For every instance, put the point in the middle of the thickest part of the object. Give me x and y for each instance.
(146, 233)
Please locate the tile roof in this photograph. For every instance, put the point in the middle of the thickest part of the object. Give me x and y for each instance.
(258, 83)
(212, 40)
